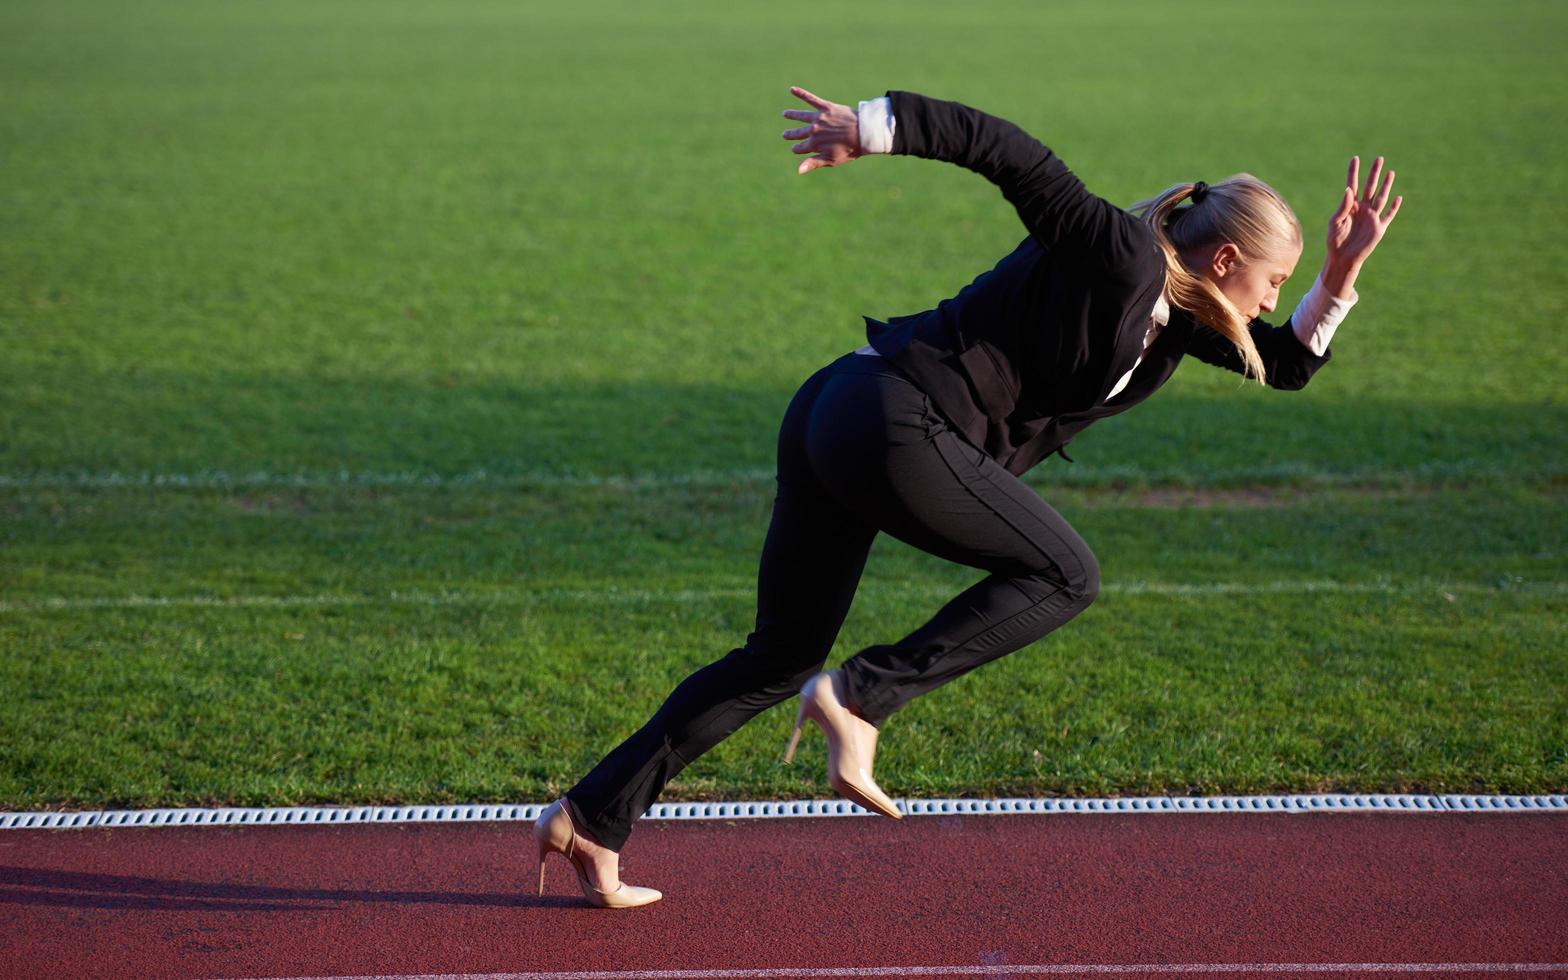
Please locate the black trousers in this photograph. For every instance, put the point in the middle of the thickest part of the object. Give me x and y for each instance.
(861, 450)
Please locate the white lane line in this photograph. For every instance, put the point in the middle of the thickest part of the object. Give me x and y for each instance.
(306, 480)
(979, 970)
(683, 596)
(309, 816)
(395, 598)
(1080, 474)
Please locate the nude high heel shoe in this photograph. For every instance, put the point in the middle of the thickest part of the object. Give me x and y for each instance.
(554, 831)
(850, 746)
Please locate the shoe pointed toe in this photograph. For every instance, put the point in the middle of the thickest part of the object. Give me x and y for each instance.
(624, 896)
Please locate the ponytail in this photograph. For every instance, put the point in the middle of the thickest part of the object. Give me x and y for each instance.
(1241, 210)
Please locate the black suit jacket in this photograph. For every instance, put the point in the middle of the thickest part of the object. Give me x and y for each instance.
(1021, 359)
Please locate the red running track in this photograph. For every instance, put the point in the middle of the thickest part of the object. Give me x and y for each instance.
(993, 893)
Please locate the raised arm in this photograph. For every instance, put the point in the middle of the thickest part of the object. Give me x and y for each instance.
(1293, 352)
(1058, 211)
(1357, 226)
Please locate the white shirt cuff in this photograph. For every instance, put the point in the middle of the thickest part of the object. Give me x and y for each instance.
(1318, 313)
(876, 125)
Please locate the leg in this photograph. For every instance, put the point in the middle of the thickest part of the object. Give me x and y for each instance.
(932, 489)
(811, 564)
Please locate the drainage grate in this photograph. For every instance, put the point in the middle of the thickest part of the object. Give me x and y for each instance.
(755, 809)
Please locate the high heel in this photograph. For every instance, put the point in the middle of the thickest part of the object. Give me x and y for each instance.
(850, 748)
(554, 831)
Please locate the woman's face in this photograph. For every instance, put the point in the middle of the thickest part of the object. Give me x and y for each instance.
(1252, 286)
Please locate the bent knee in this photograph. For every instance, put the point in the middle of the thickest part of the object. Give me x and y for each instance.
(1088, 588)
(1080, 579)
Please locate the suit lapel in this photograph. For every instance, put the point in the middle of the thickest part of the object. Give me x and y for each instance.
(1158, 364)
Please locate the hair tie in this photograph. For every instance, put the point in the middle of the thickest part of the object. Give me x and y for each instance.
(1198, 191)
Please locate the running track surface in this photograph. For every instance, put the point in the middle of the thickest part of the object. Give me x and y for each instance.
(995, 893)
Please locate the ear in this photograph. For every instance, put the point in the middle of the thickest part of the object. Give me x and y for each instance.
(1225, 260)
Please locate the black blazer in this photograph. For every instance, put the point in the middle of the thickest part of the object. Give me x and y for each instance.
(1021, 359)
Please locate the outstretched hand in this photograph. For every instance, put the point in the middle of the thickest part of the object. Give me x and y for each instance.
(1360, 221)
(833, 132)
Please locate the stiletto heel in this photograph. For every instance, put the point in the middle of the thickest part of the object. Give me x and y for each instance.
(554, 831)
(543, 850)
(794, 738)
(849, 758)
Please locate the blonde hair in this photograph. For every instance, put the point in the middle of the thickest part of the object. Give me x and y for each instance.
(1242, 210)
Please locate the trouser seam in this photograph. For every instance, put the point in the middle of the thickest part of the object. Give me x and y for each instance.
(1034, 603)
(630, 791)
(997, 511)
(1003, 490)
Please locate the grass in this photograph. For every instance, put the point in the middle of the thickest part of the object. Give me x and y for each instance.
(486, 644)
(462, 334)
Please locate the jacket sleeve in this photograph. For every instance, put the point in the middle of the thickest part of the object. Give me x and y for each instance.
(1059, 212)
(1287, 363)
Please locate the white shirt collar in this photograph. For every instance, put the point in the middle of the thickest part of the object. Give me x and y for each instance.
(1162, 311)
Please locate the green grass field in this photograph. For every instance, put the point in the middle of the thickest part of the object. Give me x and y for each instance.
(390, 393)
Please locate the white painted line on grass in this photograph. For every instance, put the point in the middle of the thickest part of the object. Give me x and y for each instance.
(311, 480)
(394, 598)
(681, 596)
(1080, 474)
(982, 970)
(766, 809)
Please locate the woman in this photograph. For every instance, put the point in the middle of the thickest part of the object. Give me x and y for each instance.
(923, 434)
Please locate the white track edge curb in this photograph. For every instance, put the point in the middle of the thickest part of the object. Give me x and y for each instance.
(459, 813)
